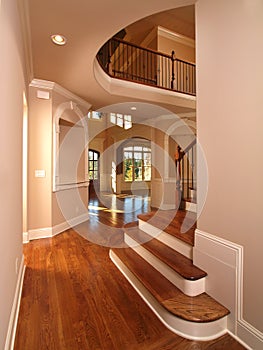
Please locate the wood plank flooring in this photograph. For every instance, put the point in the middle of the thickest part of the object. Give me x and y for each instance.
(74, 298)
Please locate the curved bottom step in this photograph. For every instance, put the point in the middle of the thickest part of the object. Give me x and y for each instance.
(187, 329)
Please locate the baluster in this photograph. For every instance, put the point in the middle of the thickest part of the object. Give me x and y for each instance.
(173, 76)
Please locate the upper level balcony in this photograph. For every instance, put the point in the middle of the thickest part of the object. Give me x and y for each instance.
(123, 60)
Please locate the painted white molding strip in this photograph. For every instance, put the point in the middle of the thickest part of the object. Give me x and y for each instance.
(187, 329)
(179, 38)
(188, 287)
(50, 85)
(25, 237)
(45, 232)
(223, 261)
(11, 332)
(50, 232)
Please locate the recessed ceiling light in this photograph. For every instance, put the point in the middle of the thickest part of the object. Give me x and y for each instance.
(58, 39)
(133, 108)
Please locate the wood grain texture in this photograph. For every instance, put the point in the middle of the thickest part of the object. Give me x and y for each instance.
(176, 261)
(201, 308)
(74, 298)
(178, 223)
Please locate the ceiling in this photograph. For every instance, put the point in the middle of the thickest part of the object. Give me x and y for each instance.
(87, 25)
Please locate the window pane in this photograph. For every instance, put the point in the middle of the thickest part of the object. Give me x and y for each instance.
(147, 173)
(91, 165)
(113, 118)
(137, 148)
(90, 155)
(128, 155)
(146, 149)
(128, 170)
(128, 149)
(95, 165)
(137, 173)
(95, 155)
(137, 155)
(95, 175)
(147, 159)
(120, 120)
(90, 175)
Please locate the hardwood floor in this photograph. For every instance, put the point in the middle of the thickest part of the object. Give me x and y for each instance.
(75, 298)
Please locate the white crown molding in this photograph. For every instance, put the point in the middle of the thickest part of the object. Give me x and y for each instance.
(161, 31)
(50, 85)
(26, 37)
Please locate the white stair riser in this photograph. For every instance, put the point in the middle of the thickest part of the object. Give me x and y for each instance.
(188, 287)
(191, 330)
(171, 241)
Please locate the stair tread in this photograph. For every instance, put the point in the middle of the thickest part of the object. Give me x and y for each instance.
(178, 223)
(175, 260)
(201, 308)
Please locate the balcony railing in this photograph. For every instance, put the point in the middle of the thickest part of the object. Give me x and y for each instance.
(186, 173)
(123, 60)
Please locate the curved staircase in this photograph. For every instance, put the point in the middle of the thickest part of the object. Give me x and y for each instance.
(158, 263)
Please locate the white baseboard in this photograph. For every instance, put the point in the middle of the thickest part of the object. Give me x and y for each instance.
(25, 237)
(69, 224)
(44, 232)
(223, 262)
(11, 332)
(48, 232)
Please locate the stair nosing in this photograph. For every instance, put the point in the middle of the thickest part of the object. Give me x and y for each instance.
(166, 302)
(163, 258)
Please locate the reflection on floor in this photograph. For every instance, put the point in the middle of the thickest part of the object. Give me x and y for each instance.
(107, 215)
(122, 208)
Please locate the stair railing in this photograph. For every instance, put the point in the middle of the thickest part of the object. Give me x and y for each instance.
(123, 60)
(185, 161)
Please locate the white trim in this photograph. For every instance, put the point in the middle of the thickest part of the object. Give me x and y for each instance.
(69, 224)
(11, 332)
(182, 39)
(222, 256)
(25, 237)
(188, 287)
(241, 341)
(249, 334)
(50, 85)
(44, 232)
(119, 87)
(166, 238)
(223, 261)
(50, 232)
(26, 36)
(62, 187)
(187, 329)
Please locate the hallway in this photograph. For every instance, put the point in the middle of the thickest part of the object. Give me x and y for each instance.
(75, 298)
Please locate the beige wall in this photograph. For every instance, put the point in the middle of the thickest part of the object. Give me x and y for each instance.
(12, 85)
(48, 209)
(182, 51)
(39, 158)
(230, 124)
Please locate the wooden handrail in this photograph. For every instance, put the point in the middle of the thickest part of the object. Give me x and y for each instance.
(141, 48)
(123, 60)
